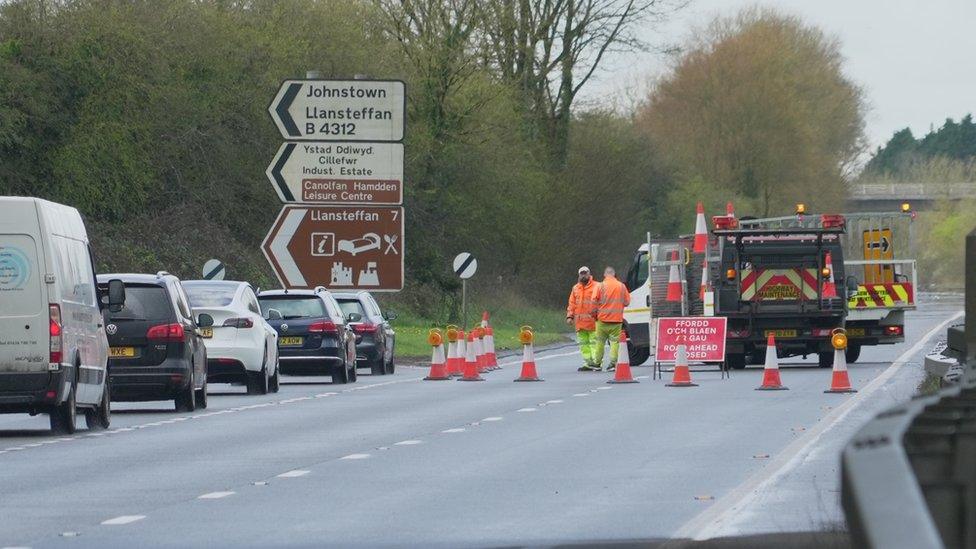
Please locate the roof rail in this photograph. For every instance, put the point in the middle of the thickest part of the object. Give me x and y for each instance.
(161, 274)
(320, 289)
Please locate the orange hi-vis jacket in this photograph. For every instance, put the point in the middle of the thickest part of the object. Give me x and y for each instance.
(610, 297)
(581, 306)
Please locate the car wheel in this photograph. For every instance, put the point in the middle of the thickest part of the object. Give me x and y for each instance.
(63, 416)
(736, 361)
(340, 374)
(353, 374)
(202, 396)
(186, 401)
(101, 416)
(276, 379)
(257, 382)
(638, 355)
(391, 365)
(378, 367)
(852, 353)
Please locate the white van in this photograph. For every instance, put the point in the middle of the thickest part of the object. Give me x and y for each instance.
(53, 349)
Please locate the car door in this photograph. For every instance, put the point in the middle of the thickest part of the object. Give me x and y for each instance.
(385, 327)
(194, 341)
(345, 332)
(267, 333)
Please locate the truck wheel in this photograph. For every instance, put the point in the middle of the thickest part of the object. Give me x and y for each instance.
(736, 361)
(101, 416)
(852, 353)
(638, 355)
(825, 360)
(63, 416)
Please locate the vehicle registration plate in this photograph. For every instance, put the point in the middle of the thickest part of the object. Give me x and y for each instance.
(122, 352)
(855, 332)
(206, 332)
(290, 341)
(780, 333)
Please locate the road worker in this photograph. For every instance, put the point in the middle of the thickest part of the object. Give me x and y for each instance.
(579, 314)
(609, 299)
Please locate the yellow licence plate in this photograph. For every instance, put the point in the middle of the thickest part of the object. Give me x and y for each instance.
(780, 333)
(855, 332)
(122, 352)
(290, 341)
(206, 332)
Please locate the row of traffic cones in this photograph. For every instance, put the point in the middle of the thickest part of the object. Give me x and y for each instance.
(472, 354)
(840, 381)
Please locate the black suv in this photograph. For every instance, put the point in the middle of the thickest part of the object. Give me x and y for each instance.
(313, 335)
(156, 351)
(375, 338)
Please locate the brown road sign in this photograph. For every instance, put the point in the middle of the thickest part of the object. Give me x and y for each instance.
(339, 247)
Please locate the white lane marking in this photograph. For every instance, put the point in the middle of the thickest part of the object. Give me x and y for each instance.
(323, 395)
(408, 443)
(526, 409)
(493, 418)
(454, 430)
(216, 495)
(124, 519)
(355, 456)
(581, 395)
(603, 388)
(557, 401)
(709, 522)
(294, 473)
(641, 377)
(539, 358)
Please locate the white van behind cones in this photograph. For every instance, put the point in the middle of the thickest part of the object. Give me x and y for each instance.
(53, 348)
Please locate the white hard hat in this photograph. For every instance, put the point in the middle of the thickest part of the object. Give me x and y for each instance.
(584, 269)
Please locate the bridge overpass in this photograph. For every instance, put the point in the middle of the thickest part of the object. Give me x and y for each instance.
(922, 196)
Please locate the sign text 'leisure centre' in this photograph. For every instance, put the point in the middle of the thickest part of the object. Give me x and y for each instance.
(340, 110)
(338, 173)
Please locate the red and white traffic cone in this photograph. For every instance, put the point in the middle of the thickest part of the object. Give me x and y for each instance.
(771, 381)
(682, 373)
(704, 281)
(674, 280)
(622, 373)
(840, 382)
(729, 209)
(829, 287)
(490, 351)
(479, 350)
(452, 352)
(484, 319)
(528, 357)
(459, 354)
(438, 367)
(701, 231)
(470, 371)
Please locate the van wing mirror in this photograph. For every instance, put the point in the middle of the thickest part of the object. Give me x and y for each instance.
(116, 295)
(354, 317)
(274, 314)
(205, 320)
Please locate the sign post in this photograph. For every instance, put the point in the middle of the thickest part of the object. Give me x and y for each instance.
(342, 164)
(465, 265)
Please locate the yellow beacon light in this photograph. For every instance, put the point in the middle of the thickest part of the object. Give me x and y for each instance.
(525, 335)
(839, 339)
(906, 207)
(452, 333)
(801, 208)
(435, 338)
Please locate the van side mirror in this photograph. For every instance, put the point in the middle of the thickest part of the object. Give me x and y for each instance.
(274, 314)
(354, 317)
(205, 320)
(389, 315)
(116, 295)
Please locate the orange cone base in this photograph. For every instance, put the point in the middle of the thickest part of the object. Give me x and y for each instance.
(681, 378)
(475, 378)
(529, 379)
(437, 378)
(681, 384)
(771, 382)
(615, 381)
(840, 383)
(772, 388)
(622, 375)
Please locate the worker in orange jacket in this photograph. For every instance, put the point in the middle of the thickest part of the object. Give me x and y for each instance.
(610, 297)
(578, 314)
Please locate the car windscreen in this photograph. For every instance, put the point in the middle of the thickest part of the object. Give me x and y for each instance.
(293, 307)
(351, 306)
(210, 295)
(144, 302)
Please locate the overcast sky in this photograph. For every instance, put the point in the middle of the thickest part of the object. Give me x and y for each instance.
(915, 59)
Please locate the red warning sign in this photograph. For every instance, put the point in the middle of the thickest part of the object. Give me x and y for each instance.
(702, 336)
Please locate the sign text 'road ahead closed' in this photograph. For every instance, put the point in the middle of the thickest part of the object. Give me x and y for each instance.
(339, 247)
(340, 110)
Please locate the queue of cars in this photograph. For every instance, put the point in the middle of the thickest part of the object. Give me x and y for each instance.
(72, 341)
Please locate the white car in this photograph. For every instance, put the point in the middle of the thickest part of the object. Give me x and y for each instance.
(241, 346)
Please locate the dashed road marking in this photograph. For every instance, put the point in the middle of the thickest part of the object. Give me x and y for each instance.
(454, 430)
(124, 519)
(355, 456)
(557, 401)
(294, 473)
(603, 388)
(493, 418)
(408, 443)
(216, 495)
(581, 395)
(526, 409)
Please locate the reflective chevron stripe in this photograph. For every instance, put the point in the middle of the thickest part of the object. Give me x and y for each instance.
(881, 295)
(778, 284)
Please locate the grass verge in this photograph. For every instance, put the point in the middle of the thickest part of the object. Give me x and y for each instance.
(549, 326)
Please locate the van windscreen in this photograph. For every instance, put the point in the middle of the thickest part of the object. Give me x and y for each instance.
(20, 284)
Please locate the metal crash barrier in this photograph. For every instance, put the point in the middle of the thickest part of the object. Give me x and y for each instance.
(908, 478)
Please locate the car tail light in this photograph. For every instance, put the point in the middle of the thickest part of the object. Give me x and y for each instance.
(226, 361)
(725, 222)
(894, 330)
(55, 332)
(832, 221)
(323, 327)
(365, 328)
(166, 333)
(239, 323)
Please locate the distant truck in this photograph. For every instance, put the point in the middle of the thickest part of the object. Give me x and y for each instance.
(769, 275)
